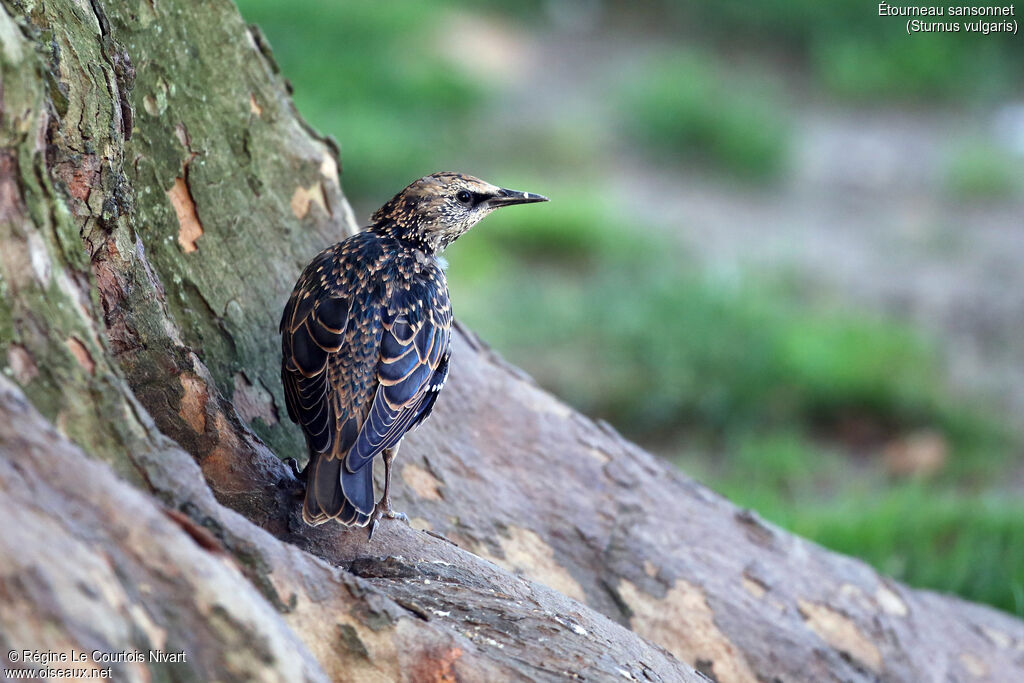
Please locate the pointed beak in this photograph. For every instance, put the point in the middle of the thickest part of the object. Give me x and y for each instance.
(510, 197)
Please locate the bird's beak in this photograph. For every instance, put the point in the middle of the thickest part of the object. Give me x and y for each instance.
(510, 197)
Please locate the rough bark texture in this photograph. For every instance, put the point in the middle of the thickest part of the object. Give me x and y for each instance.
(158, 196)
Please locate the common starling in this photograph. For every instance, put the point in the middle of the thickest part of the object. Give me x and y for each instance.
(365, 339)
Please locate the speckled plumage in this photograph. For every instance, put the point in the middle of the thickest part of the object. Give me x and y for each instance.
(365, 339)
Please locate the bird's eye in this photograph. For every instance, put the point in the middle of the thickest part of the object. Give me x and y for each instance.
(464, 196)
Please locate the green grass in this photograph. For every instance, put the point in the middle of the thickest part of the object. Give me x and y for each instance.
(972, 546)
(927, 534)
(687, 106)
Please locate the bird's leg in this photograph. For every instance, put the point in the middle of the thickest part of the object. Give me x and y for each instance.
(383, 508)
(389, 457)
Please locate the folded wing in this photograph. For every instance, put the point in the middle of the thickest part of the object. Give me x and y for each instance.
(414, 353)
(360, 368)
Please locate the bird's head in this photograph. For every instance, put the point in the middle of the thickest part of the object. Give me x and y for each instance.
(433, 211)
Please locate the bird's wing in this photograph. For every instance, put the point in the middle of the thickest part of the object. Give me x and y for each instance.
(312, 332)
(414, 352)
(330, 345)
(358, 373)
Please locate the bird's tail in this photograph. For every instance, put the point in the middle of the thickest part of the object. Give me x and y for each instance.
(332, 492)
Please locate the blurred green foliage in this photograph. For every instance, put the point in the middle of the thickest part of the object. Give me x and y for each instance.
(657, 345)
(978, 170)
(687, 106)
(854, 53)
(929, 535)
(370, 75)
(748, 382)
(916, 66)
(973, 546)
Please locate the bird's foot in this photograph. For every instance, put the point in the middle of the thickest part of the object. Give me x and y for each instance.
(401, 516)
(383, 509)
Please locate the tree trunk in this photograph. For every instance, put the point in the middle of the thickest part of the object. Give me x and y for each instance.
(158, 197)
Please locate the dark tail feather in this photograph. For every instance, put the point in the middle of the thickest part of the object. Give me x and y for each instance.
(328, 489)
(358, 488)
(312, 512)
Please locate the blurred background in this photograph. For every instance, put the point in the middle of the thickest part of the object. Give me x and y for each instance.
(785, 247)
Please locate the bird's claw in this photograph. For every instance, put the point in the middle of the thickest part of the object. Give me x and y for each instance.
(382, 511)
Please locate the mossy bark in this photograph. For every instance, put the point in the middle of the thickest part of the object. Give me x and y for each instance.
(158, 197)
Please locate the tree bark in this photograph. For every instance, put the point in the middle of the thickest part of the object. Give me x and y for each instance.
(158, 196)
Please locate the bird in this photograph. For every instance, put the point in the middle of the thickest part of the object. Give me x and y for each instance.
(366, 341)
